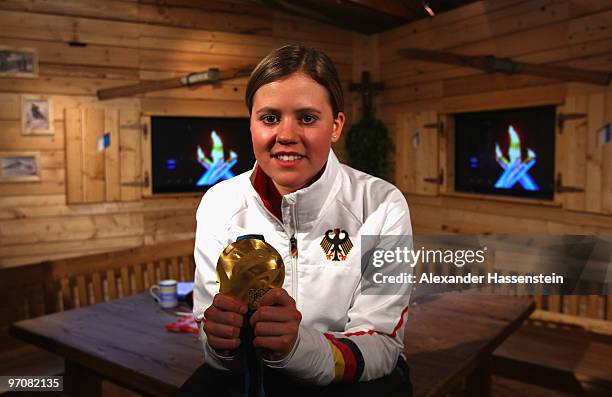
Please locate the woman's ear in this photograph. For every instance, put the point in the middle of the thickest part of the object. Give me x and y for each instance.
(337, 127)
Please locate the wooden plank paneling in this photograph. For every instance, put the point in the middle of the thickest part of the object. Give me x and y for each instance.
(515, 98)
(60, 53)
(67, 247)
(606, 162)
(29, 207)
(571, 146)
(112, 171)
(74, 228)
(417, 153)
(130, 155)
(594, 155)
(75, 192)
(193, 17)
(203, 108)
(517, 17)
(11, 138)
(24, 25)
(51, 182)
(60, 85)
(10, 106)
(93, 166)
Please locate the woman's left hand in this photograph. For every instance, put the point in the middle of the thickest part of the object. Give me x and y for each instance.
(276, 324)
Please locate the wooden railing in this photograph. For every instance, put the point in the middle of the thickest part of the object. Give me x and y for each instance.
(592, 313)
(77, 282)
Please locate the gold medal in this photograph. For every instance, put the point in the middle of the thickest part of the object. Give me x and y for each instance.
(249, 268)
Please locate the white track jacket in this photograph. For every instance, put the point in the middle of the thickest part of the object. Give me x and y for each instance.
(345, 335)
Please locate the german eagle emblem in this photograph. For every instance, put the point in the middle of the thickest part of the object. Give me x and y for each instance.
(336, 244)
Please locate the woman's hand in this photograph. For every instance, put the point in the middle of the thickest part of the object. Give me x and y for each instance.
(224, 318)
(276, 323)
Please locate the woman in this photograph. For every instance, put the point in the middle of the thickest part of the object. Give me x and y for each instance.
(320, 334)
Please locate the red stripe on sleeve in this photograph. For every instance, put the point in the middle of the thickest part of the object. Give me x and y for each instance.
(372, 332)
(350, 364)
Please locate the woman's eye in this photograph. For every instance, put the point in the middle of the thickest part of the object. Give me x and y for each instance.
(269, 119)
(308, 119)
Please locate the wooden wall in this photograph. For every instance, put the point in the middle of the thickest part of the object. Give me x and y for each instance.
(130, 41)
(126, 41)
(575, 33)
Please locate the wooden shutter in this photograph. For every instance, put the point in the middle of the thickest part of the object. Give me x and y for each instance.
(584, 167)
(110, 174)
(570, 148)
(417, 154)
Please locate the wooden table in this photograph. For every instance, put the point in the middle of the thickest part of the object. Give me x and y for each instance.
(449, 339)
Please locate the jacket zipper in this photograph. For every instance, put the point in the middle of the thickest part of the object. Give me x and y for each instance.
(293, 244)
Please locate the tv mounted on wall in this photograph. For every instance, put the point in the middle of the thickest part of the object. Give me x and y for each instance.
(191, 154)
(506, 152)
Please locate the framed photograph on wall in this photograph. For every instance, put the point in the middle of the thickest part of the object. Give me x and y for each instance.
(18, 166)
(36, 115)
(18, 62)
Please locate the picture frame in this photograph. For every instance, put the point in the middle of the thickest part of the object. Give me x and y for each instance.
(19, 166)
(36, 115)
(18, 62)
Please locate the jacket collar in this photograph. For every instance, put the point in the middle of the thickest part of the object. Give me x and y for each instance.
(306, 204)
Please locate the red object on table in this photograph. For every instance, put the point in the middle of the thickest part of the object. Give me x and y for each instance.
(185, 324)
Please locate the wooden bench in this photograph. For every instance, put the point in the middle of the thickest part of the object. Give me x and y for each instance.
(77, 282)
(21, 297)
(566, 348)
(53, 286)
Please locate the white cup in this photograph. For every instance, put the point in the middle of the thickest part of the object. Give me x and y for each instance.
(165, 293)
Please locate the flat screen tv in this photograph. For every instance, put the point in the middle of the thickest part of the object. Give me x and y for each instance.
(191, 154)
(506, 152)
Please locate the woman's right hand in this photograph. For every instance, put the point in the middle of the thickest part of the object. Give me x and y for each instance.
(224, 318)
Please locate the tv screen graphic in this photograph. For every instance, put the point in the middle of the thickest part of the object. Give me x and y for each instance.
(191, 154)
(506, 152)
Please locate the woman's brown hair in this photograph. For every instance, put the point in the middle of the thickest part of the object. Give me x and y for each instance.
(293, 58)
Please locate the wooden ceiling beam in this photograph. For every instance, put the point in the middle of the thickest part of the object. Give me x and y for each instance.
(395, 8)
(490, 64)
(211, 76)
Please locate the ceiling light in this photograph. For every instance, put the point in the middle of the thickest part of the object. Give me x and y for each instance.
(428, 8)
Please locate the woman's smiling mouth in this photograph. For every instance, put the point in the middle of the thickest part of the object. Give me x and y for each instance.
(285, 159)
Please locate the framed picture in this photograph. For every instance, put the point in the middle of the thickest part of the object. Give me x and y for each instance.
(18, 62)
(19, 167)
(36, 115)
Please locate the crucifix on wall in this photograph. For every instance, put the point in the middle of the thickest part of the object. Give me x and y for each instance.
(367, 89)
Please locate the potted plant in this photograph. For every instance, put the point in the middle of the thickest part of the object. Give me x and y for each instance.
(368, 145)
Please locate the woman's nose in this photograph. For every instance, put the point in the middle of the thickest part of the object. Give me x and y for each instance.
(287, 131)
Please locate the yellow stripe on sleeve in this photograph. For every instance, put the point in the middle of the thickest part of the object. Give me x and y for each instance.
(338, 362)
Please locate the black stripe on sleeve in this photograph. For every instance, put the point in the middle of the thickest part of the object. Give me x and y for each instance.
(358, 357)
